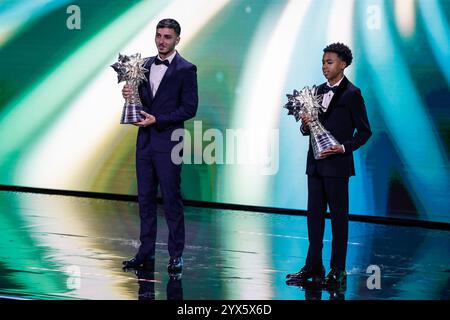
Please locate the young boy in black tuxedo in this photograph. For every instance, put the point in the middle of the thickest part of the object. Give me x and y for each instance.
(346, 119)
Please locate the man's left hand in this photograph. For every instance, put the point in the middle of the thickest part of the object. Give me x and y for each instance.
(333, 150)
(147, 121)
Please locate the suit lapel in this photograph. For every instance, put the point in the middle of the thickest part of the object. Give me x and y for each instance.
(341, 88)
(146, 85)
(167, 75)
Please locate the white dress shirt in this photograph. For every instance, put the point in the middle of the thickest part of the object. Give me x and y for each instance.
(329, 95)
(157, 72)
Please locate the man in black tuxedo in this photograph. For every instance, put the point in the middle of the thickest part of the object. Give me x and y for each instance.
(346, 119)
(169, 97)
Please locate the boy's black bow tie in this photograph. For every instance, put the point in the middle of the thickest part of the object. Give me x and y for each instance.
(327, 88)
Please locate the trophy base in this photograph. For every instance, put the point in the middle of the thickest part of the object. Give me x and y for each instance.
(321, 143)
(131, 114)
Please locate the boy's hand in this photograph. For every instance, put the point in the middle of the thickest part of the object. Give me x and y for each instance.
(337, 149)
(306, 120)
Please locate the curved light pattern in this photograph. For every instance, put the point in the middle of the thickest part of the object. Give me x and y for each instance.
(53, 91)
(305, 66)
(69, 236)
(340, 29)
(17, 15)
(405, 16)
(388, 69)
(260, 99)
(438, 33)
(340, 23)
(71, 159)
(63, 168)
(305, 69)
(190, 23)
(340, 26)
(291, 186)
(258, 108)
(19, 251)
(72, 140)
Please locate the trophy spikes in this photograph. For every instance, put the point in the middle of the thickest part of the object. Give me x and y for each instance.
(307, 101)
(131, 70)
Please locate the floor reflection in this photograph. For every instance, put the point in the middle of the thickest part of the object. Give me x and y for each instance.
(313, 291)
(146, 282)
(61, 247)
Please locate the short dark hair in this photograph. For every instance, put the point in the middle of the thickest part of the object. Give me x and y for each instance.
(341, 50)
(171, 24)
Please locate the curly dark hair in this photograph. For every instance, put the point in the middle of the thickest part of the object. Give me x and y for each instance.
(341, 50)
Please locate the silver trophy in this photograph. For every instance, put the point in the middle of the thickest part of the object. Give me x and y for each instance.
(308, 102)
(131, 69)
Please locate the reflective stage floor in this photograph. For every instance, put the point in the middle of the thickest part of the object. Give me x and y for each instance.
(62, 247)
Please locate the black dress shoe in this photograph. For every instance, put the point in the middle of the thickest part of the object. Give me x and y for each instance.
(307, 273)
(175, 265)
(133, 263)
(336, 278)
(136, 263)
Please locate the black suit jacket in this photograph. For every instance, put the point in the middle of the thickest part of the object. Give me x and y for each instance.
(346, 119)
(175, 101)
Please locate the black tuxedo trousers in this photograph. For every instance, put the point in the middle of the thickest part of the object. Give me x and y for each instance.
(331, 191)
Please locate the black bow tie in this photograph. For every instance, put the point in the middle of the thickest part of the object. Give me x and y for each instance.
(327, 88)
(164, 62)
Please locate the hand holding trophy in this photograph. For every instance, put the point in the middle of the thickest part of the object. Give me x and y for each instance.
(131, 69)
(308, 102)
